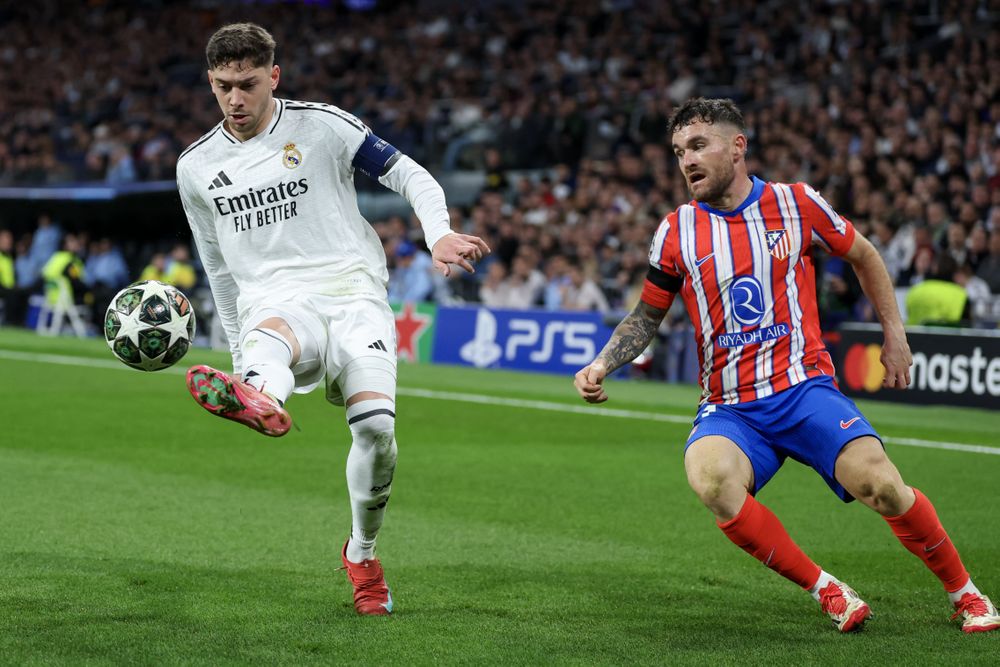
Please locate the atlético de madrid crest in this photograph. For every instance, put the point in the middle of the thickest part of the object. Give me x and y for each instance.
(292, 157)
(777, 243)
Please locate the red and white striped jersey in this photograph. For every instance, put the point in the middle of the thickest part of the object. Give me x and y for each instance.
(747, 280)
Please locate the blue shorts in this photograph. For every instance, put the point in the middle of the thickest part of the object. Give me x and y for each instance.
(810, 422)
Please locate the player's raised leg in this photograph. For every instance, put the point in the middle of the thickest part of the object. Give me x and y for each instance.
(864, 469)
(269, 350)
(371, 463)
(722, 476)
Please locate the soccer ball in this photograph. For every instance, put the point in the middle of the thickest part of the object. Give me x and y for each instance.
(149, 325)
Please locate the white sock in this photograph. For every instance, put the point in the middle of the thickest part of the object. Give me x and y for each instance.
(824, 580)
(370, 467)
(267, 358)
(969, 587)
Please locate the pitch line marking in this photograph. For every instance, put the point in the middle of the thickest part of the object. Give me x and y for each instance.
(484, 399)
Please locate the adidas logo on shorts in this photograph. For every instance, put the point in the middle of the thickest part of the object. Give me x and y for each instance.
(378, 345)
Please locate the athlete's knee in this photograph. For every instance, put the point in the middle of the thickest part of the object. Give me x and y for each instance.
(267, 361)
(278, 327)
(867, 473)
(718, 487)
(379, 430)
(722, 496)
(881, 488)
(718, 477)
(886, 495)
(373, 424)
(371, 463)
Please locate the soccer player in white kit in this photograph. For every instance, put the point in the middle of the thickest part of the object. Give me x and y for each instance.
(299, 276)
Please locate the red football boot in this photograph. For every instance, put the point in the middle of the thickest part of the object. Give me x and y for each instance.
(847, 611)
(371, 594)
(977, 613)
(233, 399)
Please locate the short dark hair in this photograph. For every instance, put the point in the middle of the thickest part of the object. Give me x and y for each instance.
(705, 110)
(236, 42)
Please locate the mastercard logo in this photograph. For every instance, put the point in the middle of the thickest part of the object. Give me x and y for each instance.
(862, 367)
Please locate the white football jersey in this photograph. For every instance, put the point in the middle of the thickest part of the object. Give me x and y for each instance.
(277, 215)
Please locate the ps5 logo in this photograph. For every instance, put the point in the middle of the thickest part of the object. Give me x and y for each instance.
(482, 350)
(540, 339)
(747, 300)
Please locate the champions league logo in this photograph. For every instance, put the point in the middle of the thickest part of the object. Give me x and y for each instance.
(747, 301)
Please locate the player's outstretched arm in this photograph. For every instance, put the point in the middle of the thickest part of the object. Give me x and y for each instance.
(632, 335)
(427, 199)
(460, 249)
(877, 286)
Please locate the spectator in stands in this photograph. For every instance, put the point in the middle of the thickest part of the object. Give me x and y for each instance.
(902, 246)
(525, 283)
(630, 281)
(156, 267)
(838, 293)
(105, 268)
(881, 240)
(26, 273)
(979, 246)
(955, 243)
(64, 273)
(989, 268)
(44, 243)
(496, 176)
(582, 293)
(557, 281)
(121, 168)
(921, 269)
(15, 289)
(975, 287)
(106, 272)
(179, 272)
(7, 279)
(8, 282)
(494, 288)
(411, 281)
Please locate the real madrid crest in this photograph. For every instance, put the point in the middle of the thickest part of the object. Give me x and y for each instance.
(292, 157)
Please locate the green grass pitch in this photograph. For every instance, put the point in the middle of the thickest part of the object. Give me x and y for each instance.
(137, 529)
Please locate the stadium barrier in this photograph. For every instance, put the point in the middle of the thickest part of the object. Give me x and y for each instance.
(529, 340)
(541, 341)
(950, 366)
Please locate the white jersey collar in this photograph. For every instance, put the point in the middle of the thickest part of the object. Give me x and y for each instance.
(279, 108)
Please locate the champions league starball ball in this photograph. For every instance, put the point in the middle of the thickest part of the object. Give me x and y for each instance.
(149, 325)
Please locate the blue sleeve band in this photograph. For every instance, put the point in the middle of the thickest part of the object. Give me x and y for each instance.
(375, 157)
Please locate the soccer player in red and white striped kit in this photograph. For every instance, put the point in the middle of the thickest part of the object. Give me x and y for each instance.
(740, 256)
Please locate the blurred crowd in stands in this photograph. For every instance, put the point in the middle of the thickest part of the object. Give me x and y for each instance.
(890, 109)
(51, 262)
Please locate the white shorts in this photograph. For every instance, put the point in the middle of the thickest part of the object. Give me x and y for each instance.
(349, 340)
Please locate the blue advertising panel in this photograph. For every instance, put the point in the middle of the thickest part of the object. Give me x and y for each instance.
(550, 342)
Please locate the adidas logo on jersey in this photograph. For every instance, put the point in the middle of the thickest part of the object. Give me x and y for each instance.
(378, 345)
(220, 180)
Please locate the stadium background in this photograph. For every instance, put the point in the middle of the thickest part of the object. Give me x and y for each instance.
(544, 123)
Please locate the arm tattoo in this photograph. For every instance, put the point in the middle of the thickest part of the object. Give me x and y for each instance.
(631, 336)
